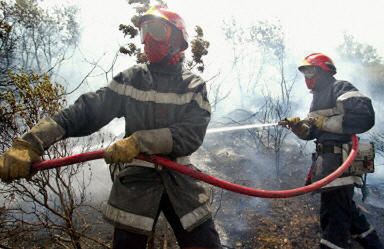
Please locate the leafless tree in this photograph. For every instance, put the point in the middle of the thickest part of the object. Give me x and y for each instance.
(259, 63)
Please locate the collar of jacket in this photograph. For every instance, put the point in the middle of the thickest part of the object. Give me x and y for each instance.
(165, 68)
(324, 81)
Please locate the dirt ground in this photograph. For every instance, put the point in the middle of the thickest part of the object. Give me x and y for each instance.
(293, 223)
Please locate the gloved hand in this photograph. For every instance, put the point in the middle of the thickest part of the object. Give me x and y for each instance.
(16, 162)
(301, 128)
(122, 151)
(318, 121)
(289, 122)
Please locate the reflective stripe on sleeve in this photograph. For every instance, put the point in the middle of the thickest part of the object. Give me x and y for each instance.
(196, 215)
(334, 124)
(158, 97)
(156, 141)
(350, 94)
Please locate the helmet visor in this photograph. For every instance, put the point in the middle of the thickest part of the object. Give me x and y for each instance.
(308, 71)
(157, 29)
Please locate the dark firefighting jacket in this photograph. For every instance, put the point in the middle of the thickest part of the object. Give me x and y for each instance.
(349, 112)
(166, 108)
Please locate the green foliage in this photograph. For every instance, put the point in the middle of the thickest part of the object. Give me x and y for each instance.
(28, 98)
(33, 41)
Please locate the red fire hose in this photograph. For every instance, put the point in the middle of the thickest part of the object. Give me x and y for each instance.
(55, 163)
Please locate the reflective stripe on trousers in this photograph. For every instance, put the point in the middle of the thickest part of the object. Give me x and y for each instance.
(365, 234)
(330, 244)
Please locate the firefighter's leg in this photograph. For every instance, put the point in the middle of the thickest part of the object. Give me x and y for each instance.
(123, 239)
(336, 218)
(362, 231)
(203, 236)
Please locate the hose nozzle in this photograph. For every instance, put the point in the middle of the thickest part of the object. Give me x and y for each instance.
(288, 122)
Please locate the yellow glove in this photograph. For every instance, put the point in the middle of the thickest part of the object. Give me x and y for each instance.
(17, 160)
(123, 151)
(318, 121)
(289, 122)
(301, 128)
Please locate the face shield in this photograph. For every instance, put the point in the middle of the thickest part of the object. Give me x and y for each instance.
(157, 29)
(310, 73)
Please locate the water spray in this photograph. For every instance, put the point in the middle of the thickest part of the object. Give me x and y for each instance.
(240, 127)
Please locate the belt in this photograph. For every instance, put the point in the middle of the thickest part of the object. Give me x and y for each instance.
(324, 148)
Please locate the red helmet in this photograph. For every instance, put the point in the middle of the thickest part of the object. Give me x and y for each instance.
(169, 17)
(319, 60)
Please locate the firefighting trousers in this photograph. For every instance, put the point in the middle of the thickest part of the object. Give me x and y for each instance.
(341, 221)
(202, 236)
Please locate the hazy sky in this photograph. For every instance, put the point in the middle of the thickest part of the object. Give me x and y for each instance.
(309, 25)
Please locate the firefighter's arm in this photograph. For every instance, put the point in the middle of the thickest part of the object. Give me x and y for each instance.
(181, 138)
(155, 141)
(89, 113)
(188, 134)
(353, 113)
(16, 162)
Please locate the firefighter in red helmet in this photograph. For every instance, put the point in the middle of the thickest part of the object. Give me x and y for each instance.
(167, 112)
(313, 63)
(163, 34)
(337, 111)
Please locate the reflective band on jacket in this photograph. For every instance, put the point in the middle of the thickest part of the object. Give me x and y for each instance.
(365, 234)
(342, 181)
(329, 244)
(127, 219)
(335, 115)
(159, 97)
(191, 218)
(338, 110)
(350, 94)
